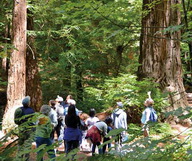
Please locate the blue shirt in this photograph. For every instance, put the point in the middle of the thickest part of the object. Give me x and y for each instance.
(72, 134)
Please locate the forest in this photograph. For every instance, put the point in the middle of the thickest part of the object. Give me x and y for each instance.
(101, 52)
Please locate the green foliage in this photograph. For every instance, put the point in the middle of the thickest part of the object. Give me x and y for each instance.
(167, 147)
(5, 21)
(93, 42)
(163, 129)
(127, 89)
(87, 42)
(2, 83)
(8, 152)
(161, 145)
(159, 130)
(134, 131)
(93, 99)
(172, 29)
(181, 113)
(187, 37)
(78, 41)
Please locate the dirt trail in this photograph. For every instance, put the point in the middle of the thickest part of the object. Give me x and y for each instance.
(180, 130)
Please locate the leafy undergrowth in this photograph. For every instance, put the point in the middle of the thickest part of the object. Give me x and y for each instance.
(162, 145)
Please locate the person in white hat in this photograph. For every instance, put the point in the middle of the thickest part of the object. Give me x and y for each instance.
(148, 115)
(60, 115)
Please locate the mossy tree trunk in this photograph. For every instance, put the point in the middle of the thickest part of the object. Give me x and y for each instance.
(160, 51)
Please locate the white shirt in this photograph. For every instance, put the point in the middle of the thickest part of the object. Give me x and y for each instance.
(147, 113)
(91, 121)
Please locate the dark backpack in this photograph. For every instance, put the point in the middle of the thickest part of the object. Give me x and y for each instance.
(82, 125)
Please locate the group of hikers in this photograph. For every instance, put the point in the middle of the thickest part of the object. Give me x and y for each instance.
(62, 118)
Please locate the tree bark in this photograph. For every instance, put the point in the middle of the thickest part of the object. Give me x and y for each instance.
(33, 85)
(79, 83)
(16, 89)
(160, 51)
(119, 58)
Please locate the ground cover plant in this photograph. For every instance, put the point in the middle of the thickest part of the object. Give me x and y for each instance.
(162, 144)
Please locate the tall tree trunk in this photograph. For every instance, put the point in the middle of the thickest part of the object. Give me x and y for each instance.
(17, 72)
(33, 86)
(119, 58)
(67, 81)
(160, 52)
(79, 84)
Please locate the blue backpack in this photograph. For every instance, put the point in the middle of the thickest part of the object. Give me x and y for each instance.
(153, 115)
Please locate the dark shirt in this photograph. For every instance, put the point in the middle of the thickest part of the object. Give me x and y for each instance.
(72, 121)
(22, 111)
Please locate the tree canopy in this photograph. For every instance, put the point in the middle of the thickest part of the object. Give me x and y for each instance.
(82, 45)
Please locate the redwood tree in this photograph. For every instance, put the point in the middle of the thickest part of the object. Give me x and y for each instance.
(16, 89)
(160, 49)
(33, 86)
